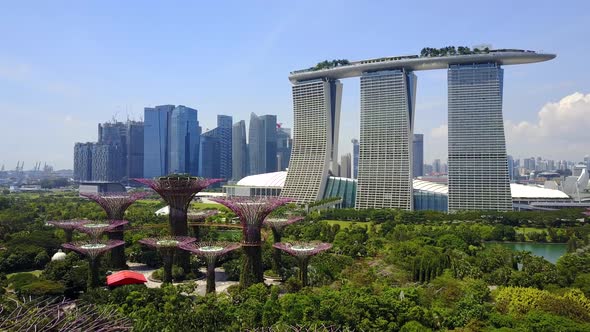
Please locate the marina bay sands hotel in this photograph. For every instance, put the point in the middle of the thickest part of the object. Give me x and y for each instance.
(477, 164)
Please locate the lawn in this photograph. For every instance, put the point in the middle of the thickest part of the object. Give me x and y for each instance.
(345, 224)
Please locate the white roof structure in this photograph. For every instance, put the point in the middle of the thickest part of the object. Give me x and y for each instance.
(275, 179)
(524, 191)
(519, 191)
(434, 187)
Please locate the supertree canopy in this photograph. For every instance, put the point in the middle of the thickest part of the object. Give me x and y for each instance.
(210, 251)
(303, 251)
(96, 229)
(277, 225)
(252, 211)
(115, 204)
(60, 314)
(196, 219)
(93, 249)
(69, 226)
(167, 246)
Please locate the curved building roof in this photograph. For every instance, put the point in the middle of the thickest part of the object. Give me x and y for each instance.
(275, 179)
(414, 62)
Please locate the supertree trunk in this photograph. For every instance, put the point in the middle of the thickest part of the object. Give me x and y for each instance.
(179, 227)
(303, 264)
(276, 253)
(93, 279)
(118, 258)
(252, 271)
(167, 258)
(69, 234)
(211, 276)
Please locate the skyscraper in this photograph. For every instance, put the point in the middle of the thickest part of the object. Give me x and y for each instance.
(115, 134)
(478, 169)
(239, 151)
(345, 166)
(210, 166)
(418, 155)
(184, 135)
(83, 161)
(224, 132)
(269, 123)
(256, 146)
(385, 160)
(134, 149)
(355, 157)
(106, 161)
(316, 105)
(156, 140)
(284, 143)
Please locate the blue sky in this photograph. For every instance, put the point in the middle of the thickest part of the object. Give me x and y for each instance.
(67, 65)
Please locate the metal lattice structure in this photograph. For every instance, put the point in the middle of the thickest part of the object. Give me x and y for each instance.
(277, 225)
(210, 251)
(303, 251)
(115, 204)
(93, 249)
(167, 246)
(252, 211)
(60, 314)
(96, 229)
(69, 226)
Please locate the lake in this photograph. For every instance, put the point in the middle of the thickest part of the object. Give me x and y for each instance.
(549, 251)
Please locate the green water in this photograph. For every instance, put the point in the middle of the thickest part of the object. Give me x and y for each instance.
(549, 251)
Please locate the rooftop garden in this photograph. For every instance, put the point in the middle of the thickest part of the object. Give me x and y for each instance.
(451, 50)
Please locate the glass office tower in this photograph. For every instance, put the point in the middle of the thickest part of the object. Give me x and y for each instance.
(155, 140)
(478, 169)
(184, 135)
(239, 151)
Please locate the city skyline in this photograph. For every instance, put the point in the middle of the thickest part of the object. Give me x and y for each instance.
(58, 91)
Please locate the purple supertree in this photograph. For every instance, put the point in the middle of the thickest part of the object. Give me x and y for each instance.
(586, 213)
(115, 204)
(167, 246)
(196, 219)
(96, 229)
(68, 226)
(252, 211)
(211, 251)
(303, 252)
(277, 225)
(92, 250)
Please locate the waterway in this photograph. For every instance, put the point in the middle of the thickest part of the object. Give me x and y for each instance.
(549, 251)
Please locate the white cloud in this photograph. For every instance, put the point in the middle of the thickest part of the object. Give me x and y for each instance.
(562, 130)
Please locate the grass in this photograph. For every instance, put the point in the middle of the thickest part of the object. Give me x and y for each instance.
(36, 273)
(345, 224)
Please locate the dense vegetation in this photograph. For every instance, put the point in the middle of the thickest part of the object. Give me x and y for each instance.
(388, 271)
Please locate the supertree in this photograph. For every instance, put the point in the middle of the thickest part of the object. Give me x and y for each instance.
(277, 225)
(167, 247)
(96, 229)
(115, 204)
(196, 219)
(61, 314)
(252, 211)
(69, 226)
(178, 191)
(93, 249)
(303, 252)
(211, 252)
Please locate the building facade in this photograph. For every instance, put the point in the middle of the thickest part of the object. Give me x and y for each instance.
(346, 166)
(239, 151)
(284, 143)
(83, 161)
(256, 146)
(385, 159)
(355, 157)
(316, 106)
(477, 164)
(210, 166)
(224, 132)
(418, 155)
(184, 134)
(156, 140)
(106, 161)
(134, 147)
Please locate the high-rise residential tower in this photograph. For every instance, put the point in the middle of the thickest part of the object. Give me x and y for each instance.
(239, 151)
(478, 169)
(184, 135)
(156, 140)
(385, 160)
(418, 155)
(83, 161)
(316, 105)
